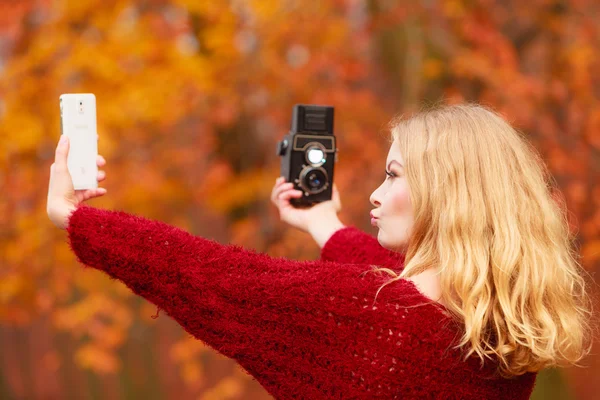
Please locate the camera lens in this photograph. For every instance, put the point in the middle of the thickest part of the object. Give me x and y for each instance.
(315, 179)
(315, 156)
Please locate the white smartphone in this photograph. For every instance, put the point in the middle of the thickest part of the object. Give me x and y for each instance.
(78, 122)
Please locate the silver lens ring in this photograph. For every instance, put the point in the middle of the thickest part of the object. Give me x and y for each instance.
(302, 181)
(316, 146)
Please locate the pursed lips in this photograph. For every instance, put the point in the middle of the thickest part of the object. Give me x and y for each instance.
(374, 219)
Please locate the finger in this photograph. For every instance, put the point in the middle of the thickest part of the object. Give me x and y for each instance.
(101, 176)
(279, 181)
(61, 154)
(336, 197)
(91, 193)
(282, 188)
(278, 189)
(100, 161)
(287, 195)
(60, 184)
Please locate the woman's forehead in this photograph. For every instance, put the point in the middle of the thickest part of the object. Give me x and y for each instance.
(394, 154)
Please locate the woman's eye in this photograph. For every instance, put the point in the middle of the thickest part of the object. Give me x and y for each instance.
(390, 174)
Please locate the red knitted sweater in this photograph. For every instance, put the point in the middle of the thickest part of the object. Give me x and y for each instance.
(302, 329)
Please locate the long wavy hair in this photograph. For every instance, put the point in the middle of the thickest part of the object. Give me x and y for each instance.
(488, 214)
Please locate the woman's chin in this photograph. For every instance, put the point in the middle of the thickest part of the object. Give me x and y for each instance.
(381, 239)
(390, 245)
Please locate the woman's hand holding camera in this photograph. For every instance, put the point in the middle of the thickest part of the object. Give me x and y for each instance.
(320, 220)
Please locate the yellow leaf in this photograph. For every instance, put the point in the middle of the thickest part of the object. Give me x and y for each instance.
(96, 358)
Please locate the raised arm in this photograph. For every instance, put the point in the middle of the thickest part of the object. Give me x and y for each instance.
(297, 326)
(338, 243)
(351, 245)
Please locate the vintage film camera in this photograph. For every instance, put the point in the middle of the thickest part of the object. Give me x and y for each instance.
(308, 153)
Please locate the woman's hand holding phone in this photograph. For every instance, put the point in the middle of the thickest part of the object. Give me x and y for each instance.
(320, 220)
(63, 199)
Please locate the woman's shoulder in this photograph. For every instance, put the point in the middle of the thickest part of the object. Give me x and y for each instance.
(420, 292)
(428, 284)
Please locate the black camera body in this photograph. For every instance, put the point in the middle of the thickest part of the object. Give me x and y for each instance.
(308, 154)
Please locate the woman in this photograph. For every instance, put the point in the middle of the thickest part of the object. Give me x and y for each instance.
(470, 289)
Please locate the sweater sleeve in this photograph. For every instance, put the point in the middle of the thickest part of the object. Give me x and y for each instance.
(351, 245)
(296, 326)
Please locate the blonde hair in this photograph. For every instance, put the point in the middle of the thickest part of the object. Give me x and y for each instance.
(487, 213)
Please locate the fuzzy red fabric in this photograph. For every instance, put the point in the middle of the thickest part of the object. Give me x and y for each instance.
(302, 329)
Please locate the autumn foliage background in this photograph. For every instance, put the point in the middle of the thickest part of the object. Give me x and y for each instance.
(192, 98)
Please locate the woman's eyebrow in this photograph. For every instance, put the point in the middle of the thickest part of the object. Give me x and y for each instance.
(394, 161)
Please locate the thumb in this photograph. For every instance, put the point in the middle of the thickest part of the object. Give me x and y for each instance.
(60, 179)
(335, 196)
(62, 152)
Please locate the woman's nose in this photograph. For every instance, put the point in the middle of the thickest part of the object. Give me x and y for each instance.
(373, 199)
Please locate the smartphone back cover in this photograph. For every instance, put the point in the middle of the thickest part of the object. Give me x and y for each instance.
(78, 120)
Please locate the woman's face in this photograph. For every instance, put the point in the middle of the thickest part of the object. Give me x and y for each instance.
(393, 211)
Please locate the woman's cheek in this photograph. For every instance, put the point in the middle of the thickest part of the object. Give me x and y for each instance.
(400, 199)
(396, 227)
